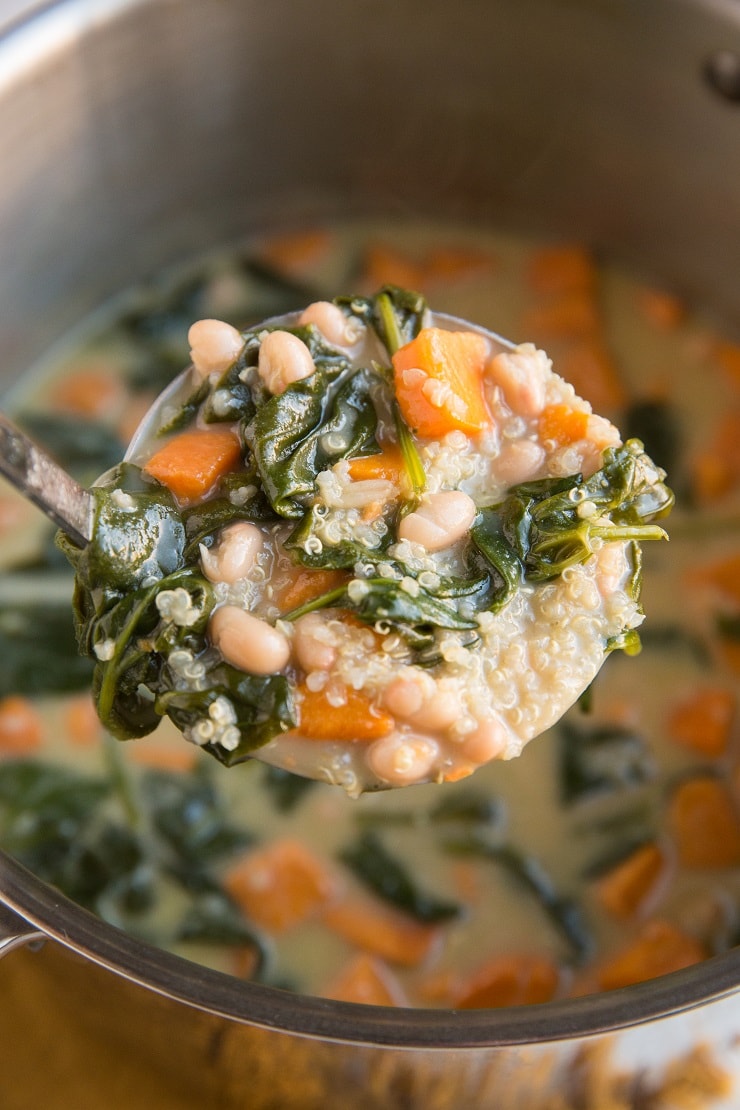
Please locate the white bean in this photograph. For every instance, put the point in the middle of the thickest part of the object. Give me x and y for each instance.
(401, 760)
(313, 643)
(441, 519)
(234, 555)
(611, 567)
(214, 345)
(283, 359)
(518, 462)
(414, 696)
(248, 643)
(521, 376)
(332, 323)
(405, 694)
(487, 742)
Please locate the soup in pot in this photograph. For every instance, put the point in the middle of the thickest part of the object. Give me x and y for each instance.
(605, 854)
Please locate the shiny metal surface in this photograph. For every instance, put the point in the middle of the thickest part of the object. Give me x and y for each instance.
(39, 478)
(136, 133)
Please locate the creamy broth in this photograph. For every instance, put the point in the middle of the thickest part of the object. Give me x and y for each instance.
(514, 920)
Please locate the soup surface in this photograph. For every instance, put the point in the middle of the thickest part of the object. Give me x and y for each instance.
(606, 854)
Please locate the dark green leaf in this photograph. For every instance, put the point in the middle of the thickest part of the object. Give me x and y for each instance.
(395, 315)
(308, 428)
(543, 524)
(214, 919)
(505, 565)
(190, 815)
(602, 758)
(527, 872)
(469, 806)
(263, 704)
(187, 411)
(38, 647)
(374, 865)
(85, 448)
(675, 637)
(655, 423)
(285, 789)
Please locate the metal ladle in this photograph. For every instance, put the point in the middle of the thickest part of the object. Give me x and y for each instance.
(43, 481)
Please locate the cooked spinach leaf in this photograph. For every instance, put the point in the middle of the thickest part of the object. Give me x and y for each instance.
(263, 706)
(675, 637)
(286, 790)
(74, 831)
(191, 817)
(214, 919)
(396, 315)
(378, 869)
(314, 423)
(506, 567)
(86, 448)
(545, 525)
(601, 758)
(563, 912)
(38, 645)
(469, 806)
(187, 411)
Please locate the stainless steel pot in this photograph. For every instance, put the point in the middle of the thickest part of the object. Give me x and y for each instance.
(134, 134)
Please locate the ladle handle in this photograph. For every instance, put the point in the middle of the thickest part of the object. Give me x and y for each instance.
(43, 481)
(15, 931)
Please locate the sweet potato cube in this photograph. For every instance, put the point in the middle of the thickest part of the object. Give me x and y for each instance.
(703, 722)
(625, 888)
(367, 980)
(704, 822)
(517, 979)
(381, 930)
(658, 949)
(281, 885)
(191, 463)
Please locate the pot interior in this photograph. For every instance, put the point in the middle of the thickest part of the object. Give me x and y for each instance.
(140, 134)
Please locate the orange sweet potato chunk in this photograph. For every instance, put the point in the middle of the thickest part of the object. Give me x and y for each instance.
(386, 464)
(724, 576)
(382, 930)
(561, 269)
(703, 722)
(727, 357)
(21, 726)
(575, 315)
(562, 424)
(625, 888)
(658, 949)
(704, 823)
(386, 265)
(367, 980)
(663, 310)
(191, 463)
(308, 585)
(517, 979)
(281, 885)
(438, 380)
(357, 718)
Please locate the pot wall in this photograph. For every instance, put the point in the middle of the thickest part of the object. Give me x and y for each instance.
(136, 133)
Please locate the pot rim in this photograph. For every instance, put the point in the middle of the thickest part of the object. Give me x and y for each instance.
(225, 996)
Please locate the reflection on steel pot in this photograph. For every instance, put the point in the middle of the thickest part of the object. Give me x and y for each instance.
(137, 133)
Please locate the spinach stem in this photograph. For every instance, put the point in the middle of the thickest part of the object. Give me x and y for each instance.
(122, 781)
(411, 459)
(391, 331)
(323, 601)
